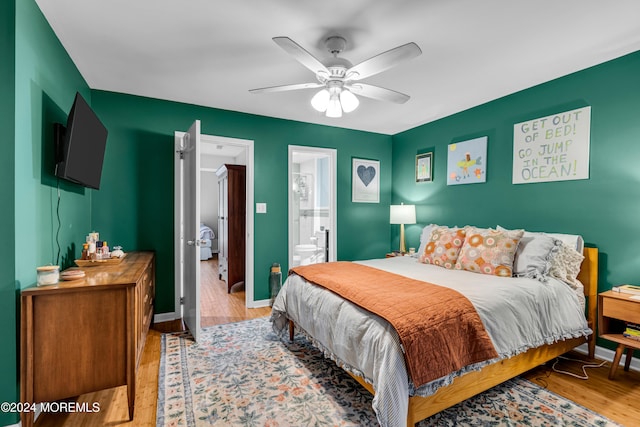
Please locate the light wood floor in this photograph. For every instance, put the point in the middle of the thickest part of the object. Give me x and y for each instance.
(617, 399)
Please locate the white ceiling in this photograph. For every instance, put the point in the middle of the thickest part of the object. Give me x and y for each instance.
(211, 52)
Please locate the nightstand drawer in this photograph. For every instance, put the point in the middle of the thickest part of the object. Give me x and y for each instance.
(626, 310)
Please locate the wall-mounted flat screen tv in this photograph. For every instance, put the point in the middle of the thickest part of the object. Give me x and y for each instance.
(81, 146)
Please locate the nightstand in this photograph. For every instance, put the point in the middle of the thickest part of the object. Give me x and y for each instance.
(614, 310)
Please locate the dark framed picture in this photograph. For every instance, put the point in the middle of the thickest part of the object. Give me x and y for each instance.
(423, 167)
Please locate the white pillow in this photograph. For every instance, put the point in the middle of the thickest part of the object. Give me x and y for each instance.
(534, 255)
(573, 240)
(424, 238)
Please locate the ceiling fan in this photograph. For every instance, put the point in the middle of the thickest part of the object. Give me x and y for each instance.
(339, 79)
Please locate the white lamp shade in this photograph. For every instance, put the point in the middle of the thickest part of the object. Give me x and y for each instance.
(403, 214)
(349, 101)
(334, 109)
(320, 100)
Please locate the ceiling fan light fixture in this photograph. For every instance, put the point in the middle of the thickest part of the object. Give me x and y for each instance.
(338, 75)
(348, 100)
(320, 100)
(334, 109)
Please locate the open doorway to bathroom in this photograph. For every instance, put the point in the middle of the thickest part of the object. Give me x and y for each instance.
(312, 205)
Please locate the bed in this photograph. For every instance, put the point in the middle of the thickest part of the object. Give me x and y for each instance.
(368, 348)
(208, 242)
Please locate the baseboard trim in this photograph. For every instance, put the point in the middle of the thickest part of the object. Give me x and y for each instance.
(606, 354)
(259, 304)
(165, 317)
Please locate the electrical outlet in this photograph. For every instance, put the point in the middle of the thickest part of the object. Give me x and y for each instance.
(261, 208)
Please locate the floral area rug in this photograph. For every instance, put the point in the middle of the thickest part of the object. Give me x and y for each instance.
(242, 374)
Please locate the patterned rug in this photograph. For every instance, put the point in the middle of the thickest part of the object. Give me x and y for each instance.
(242, 374)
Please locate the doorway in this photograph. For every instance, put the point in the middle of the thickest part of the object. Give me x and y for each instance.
(222, 216)
(312, 205)
(228, 150)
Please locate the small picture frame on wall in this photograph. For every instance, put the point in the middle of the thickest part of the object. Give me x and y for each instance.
(365, 181)
(423, 167)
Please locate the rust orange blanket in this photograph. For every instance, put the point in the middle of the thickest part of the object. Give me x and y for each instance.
(438, 327)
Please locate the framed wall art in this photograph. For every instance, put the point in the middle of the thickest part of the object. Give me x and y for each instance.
(552, 148)
(467, 162)
(423, 167)
(365, 181)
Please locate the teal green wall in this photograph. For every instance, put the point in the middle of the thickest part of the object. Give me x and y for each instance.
(40, 82)
(8, 293)
(46, 83)
(604, 209)
(134, 207)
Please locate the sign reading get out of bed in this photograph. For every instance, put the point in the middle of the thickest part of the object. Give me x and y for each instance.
(552, 148)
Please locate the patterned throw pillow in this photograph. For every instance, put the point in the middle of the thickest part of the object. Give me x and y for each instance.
(566, 266)
(424, 238)
(489, 251)
(443, 247)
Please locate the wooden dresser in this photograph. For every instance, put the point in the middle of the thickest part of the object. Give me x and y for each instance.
(232, 208)
(86, 335)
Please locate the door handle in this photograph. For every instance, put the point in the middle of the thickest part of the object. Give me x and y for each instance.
(195, 242)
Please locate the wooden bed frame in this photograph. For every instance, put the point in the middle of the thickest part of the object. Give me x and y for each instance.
(476, 382)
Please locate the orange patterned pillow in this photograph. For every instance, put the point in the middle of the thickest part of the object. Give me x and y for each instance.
(443, 247)
(489, 251)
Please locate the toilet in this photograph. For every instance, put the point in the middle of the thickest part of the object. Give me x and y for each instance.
(304, 253)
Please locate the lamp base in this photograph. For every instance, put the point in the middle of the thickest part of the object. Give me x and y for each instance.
(403, 248)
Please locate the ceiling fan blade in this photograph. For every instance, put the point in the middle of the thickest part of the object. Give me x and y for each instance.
(377, 92)
(287, 87)
(300, 54)
(383, 61)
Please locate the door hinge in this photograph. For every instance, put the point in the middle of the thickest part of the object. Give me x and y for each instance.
(181, 152)
(181, 300)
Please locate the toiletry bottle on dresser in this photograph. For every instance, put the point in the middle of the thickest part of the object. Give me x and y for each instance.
(92, 250)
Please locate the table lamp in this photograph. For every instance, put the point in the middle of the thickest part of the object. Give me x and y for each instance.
(402, 214)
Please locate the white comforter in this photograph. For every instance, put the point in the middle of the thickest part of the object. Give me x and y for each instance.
(518, 314)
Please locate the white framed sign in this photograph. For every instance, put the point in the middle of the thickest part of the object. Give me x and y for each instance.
(552, 148)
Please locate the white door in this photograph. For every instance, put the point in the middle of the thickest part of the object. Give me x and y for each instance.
(191, 242)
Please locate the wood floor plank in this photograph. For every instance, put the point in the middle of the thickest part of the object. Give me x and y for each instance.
(616, 399)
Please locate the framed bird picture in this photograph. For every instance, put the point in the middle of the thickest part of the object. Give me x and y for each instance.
(467, 162)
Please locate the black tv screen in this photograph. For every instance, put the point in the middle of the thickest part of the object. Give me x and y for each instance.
(81, 146)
